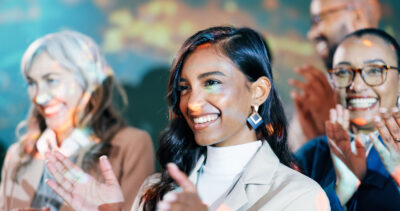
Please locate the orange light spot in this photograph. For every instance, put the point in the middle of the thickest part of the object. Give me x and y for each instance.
(196, 108)
(359, 121)
(204, 45)
(367, 43)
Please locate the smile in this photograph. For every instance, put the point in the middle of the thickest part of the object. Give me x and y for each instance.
(204, 121)
(52, 110)
(361, 103)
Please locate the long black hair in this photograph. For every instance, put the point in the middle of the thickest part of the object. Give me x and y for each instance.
(247, 50)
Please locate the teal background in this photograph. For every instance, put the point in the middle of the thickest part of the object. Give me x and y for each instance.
(140, 38)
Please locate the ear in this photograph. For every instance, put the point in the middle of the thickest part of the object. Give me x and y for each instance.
(359, 20)
(260, 90)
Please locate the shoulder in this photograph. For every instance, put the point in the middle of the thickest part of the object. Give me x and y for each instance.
(132, 138)
(297, 190)
(13, 154)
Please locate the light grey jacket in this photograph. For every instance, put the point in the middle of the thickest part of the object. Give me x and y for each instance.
(266, 184)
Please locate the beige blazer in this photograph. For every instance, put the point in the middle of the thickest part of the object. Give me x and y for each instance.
(266, 184)
(131, 157)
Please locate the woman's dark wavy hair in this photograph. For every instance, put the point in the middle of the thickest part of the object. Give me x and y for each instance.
(247, 50)
(378, 33)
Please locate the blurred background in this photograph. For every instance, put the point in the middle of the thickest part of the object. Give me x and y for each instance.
(140, 38)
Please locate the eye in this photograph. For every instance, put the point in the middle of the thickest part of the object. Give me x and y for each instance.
(51, 81)
(183, 88)
(342, 72)
(211, 82)
(373, 70)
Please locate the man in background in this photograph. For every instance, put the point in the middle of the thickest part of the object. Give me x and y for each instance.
(331, 21)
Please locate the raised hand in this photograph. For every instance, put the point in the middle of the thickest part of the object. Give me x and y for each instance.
(388, 125)
(350, 165)
(80, 190)
(310, 110)
(187, 199)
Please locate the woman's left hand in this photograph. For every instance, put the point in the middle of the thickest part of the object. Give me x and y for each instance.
(188, 199)
(388, 125)
(80, 190)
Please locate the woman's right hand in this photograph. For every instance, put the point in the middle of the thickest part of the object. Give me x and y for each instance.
(80, 190)
(350, 167)
(388, 125)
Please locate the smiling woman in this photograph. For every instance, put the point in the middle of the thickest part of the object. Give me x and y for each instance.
(70, 86)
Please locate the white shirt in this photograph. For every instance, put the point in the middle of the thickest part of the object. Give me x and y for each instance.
(222, 166)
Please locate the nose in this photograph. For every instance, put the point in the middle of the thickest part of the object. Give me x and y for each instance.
(195, 103)
(42, 96)
(313, 33)
(358, 84)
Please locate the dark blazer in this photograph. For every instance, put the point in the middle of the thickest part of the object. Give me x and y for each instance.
(377, 191)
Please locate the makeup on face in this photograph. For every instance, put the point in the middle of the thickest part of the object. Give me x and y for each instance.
(361, 96)
(54, 91)
(214, 99)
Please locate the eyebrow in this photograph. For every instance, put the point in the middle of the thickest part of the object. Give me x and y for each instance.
(203, 75)
(374, 61)
(345, 63)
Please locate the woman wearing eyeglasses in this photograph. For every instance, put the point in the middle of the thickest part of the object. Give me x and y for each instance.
(357, 162)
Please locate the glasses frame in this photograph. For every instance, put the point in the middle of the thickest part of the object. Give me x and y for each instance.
(360, 70)
(315, 19)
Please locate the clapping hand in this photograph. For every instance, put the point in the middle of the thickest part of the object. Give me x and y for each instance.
(80, 190)
(388, 125)
(311, 113)
(350, 165)
(188, 199)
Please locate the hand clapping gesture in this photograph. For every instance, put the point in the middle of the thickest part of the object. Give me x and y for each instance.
(350, 165)
(80, 190)
(188, 199)
(388, 125)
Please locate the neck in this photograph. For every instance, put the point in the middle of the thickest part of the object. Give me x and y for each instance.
(245, 135)
(62, 134)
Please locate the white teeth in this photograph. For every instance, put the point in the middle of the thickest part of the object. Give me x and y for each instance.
(52, 109)
(362, 102)
(204, 119)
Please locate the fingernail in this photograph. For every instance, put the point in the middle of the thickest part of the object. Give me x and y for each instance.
(172, 165)
(395, 109)
(103, 157)
(383, 110)
(377, 118)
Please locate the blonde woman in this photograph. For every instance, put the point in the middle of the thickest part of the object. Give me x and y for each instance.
(70, 86)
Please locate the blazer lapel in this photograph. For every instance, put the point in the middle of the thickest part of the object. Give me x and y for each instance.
(255, 181)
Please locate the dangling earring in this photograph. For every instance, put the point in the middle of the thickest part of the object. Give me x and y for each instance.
(255, 120)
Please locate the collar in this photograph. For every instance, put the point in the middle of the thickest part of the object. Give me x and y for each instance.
(260, 171)
(78, 139)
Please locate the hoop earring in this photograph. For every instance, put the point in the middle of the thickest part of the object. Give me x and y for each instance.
(255, 120)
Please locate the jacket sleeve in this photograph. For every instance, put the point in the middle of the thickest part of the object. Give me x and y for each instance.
(136, 161)
(304, 201)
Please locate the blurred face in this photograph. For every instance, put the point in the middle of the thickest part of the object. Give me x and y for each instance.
(54, 91)
(331, 21)
(215, 99)
(363, 100)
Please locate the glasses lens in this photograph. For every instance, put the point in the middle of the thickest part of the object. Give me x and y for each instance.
(342, 76)
(373, 75)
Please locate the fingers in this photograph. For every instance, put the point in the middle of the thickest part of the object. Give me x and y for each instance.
(66, 196)
(390, 123)
(379, 147)
(57, 171)
(360, 147)
(180, 178)
(384, 132)
(107, 171)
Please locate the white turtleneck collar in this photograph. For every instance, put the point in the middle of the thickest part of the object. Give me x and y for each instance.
(222, 166)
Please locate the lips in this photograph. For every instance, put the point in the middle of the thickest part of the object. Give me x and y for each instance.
(52, 110)
(361, 103)
(203, 121)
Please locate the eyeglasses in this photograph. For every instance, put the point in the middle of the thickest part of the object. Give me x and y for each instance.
(373, 75)
(315, 19)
